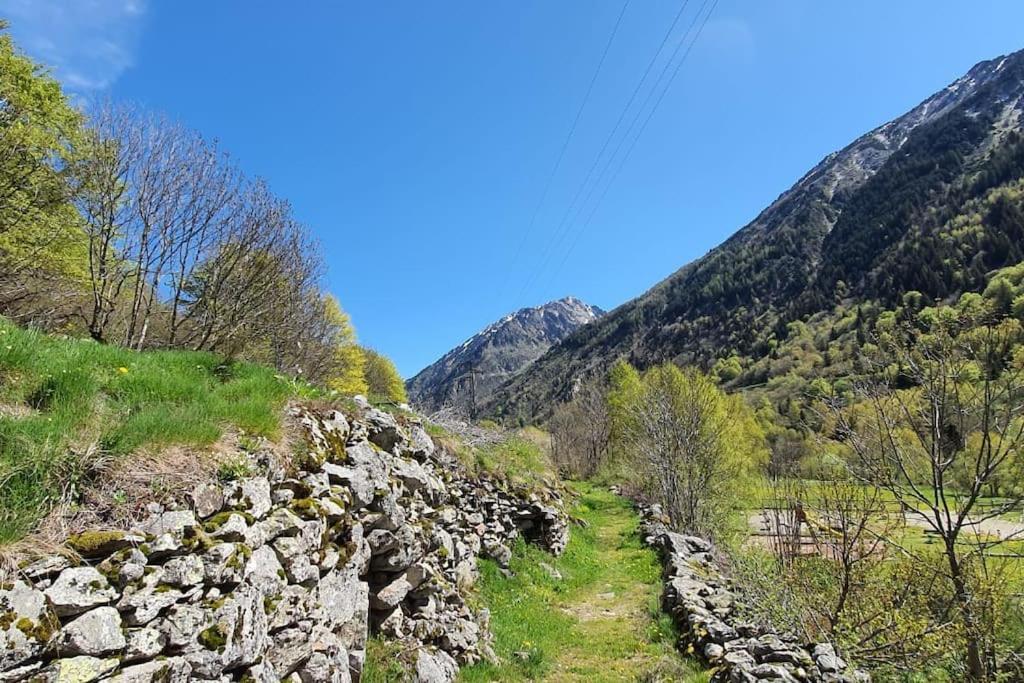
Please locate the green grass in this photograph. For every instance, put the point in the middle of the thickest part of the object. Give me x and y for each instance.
(383, 662)
(599, 622)
(59, 396)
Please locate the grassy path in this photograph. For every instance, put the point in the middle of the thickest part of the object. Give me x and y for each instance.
(598, 622)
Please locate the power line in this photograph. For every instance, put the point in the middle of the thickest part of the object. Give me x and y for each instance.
(565, 145)
(639, 112)
(643, 127)
(622, 115)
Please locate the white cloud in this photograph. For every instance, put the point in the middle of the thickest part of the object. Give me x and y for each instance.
(87, 43)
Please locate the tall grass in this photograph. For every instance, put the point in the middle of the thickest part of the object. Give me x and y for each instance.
(61, 398)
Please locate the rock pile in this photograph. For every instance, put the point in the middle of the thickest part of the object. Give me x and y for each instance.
(282, 575)
(704, 607)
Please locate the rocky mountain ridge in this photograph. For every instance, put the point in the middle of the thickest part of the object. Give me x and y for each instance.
(871, 221)
(464, 377)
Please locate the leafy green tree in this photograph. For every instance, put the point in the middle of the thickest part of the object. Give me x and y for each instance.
(39, 130)
(694, 446)
(349, 374)
(382, 378)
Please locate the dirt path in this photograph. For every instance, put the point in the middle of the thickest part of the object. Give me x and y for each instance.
(594, 617)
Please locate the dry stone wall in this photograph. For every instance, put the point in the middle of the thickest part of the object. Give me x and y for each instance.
(283, 575)
(704, 606)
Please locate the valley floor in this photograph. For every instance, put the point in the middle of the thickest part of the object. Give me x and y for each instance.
(590, 615)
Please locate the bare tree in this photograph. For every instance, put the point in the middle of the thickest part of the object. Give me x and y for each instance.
(104, 202)
(581, 432)
(940, 422)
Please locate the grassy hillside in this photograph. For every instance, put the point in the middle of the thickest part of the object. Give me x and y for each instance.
(66, 402)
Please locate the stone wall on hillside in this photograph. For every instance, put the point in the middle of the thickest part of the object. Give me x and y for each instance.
(703, 605)
(283, 575)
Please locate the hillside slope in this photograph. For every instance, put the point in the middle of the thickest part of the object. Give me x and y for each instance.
(885, 215)
(465, 376)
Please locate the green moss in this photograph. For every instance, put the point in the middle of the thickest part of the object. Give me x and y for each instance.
(95, 543)
(221, 518)
(270, 604)
(213, 638)
(40, 632)
(197, 540)
(307, 508)
(239, 557)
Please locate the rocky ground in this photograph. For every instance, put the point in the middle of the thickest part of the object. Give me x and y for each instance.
(282, 575)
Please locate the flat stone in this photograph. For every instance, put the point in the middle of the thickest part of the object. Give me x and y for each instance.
(95, 633)
(144, 643)
(81, 669)
(175, 522)
(170, 670)
(184, 571)
(78, 589)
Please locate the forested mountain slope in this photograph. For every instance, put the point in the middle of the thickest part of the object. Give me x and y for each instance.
(929, 202)
(465, 376)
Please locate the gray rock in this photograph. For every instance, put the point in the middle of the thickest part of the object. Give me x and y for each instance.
(96, 633)
(183, 623)
(170, 670)
(264, 572)
(78, 589)
(412, 475)
(773, 672)
(421, 446)
(29, 624)
(243, 622)
(144, 643)
(364, 457)
(21, 673)
(252, 495)
(174, 522)
(184, 571)
(143, 605)
(435, 666)
(232, 529)
(207, 499)
(355, 479)
(224, 563)
(166, 545)
(46, 567)
(826, 659)
(383, 429)
(389, 597)
(81, 669)
(281, 522)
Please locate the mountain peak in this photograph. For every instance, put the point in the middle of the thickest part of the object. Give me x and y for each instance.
(467, 375)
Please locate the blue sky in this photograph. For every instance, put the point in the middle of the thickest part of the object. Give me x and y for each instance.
(417, 138)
